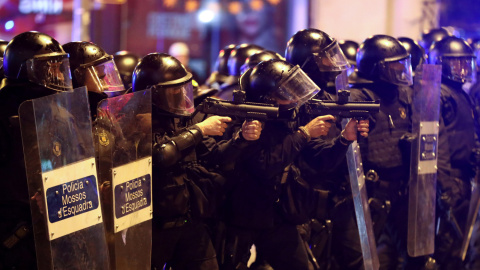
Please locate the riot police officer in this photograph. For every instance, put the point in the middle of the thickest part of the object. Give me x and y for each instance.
(457, 140)
(92, 67)
(258, 211)
(184, 192)
(126, 62)
(235, 61)
(321, 58)
(385, 63)
(35, 65)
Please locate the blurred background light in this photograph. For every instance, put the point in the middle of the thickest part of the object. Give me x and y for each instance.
(9, 25)
(206, 16)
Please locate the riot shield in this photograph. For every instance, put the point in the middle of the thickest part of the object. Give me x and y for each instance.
(123, 138)
(472, 213)
(359, 190)
(423, 162)
(62, 182)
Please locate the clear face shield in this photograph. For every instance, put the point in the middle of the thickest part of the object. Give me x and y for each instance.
(296, 89)
(397, 72)
(177, 99)
(460, 69)
(331, 59)
(50, 71)
(101, 78)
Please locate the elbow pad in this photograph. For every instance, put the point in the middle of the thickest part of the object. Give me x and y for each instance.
(188, 139)
(179, 146)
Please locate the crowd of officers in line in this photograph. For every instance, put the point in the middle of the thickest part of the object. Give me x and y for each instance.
(221, 185)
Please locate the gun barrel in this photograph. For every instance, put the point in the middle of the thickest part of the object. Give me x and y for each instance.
(360, 109)
(239, 110)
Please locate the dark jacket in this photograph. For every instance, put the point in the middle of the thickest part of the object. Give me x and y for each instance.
(457, 140)
(182, 186)
(259, 170)
(386, 150)
(14, 196)
(12, 166)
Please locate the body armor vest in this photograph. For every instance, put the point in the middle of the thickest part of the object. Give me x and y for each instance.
(381, 150)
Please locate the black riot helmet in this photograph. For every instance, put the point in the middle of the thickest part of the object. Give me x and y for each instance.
(258, 57)
(318, 54)
(432, 35)
(169, 81)
(220, 73)
(383, 57)
(37, 58)
(126, 62)
(415, 50)
(237, 58)
(94, 68)
(278, 82)
(349, 49)
(3, 46)
(456, 57)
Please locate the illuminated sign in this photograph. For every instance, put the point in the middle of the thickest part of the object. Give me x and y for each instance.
(41, 6)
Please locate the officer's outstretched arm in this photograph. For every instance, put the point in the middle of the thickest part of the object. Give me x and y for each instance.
(170, 152)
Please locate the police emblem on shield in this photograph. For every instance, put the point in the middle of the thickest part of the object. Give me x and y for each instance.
(57, 148)
(103, 138)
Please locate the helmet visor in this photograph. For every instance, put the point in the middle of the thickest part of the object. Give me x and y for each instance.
(296, 89)
(101, 78)
(331, 59)
(50, 71)
(460, 69)
(397, 72)
(176, 99)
